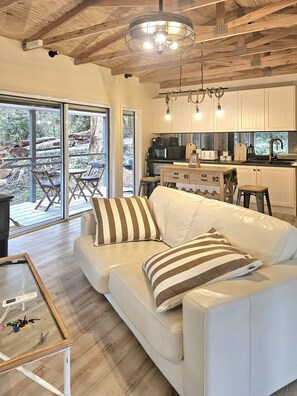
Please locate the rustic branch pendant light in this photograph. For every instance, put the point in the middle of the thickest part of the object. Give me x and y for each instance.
(160, 33)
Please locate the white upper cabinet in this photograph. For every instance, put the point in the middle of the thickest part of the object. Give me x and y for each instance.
(181, 115)
(280, 112)
(228, 121)
(265, 109)
(161, 124)
(205, 122)
(251, 110)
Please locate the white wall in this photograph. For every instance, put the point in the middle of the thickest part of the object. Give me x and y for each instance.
(35, 73)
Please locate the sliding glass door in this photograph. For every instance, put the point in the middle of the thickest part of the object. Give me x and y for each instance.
(128, 153)
(34, 138)
(30, 136)
(88, 146)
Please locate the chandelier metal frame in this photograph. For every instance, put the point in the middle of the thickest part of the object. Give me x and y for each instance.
(160, 33)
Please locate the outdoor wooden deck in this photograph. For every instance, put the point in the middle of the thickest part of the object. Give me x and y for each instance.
(28, 217)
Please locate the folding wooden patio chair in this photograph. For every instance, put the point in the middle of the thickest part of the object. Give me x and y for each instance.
(91, 181)
(49, 185)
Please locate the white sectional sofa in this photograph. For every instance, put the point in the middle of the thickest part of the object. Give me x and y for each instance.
(229, 338)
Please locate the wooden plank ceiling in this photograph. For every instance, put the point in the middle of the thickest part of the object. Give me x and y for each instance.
(235, 39)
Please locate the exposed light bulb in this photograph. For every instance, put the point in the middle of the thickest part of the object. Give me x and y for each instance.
(173, 45)
(220, 111)
(168, 115)
(147, 45)
(160, 38)
(198, 114)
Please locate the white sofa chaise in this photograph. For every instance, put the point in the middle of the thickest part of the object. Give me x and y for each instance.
(230, 338)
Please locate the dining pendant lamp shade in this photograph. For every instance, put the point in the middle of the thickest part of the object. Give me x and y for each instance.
(160, 33)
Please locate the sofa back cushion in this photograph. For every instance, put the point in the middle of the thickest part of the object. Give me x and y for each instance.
(182, 216)
(174, 212)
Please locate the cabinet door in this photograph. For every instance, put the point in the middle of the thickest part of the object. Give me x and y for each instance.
(246, 175)
(251, 110)
(181, 115)
(206, 120)
(227, 122)
(281, 184)
(280, 114)
(161, 124)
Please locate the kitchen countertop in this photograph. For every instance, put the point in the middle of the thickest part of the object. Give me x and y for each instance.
(276, 163)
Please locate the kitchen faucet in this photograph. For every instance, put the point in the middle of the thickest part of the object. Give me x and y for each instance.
(271, 156)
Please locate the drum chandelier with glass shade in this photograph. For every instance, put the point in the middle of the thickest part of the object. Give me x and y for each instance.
(160, 33)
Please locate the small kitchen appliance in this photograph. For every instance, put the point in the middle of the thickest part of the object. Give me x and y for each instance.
(209, 155)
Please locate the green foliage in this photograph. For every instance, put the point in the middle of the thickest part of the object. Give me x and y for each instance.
(14, 125)
(79, 123)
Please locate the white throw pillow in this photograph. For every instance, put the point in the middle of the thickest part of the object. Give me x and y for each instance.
(205, 259)
(123, 220)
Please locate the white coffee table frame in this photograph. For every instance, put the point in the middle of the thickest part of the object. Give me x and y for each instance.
(19, 362)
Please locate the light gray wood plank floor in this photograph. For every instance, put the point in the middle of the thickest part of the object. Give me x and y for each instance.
(106, 359)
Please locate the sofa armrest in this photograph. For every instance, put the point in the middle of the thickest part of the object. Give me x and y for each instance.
(234, 341)
(88, 223)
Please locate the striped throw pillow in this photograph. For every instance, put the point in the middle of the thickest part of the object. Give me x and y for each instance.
(123, 220)
(205, 259)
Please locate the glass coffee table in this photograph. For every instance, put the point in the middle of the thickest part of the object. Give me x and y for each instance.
(33, 329)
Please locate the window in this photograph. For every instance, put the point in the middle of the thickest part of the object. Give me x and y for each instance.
(262, 139)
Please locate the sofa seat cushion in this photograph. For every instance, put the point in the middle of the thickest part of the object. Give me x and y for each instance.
(131, 291)
(96, 262)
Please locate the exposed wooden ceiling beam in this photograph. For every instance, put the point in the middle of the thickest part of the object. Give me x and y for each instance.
(168, 6)
(176, 5)
(101, 44)
(261, 12)
(6, 3)
(220, 14)
(239, 71)
(60, 21)
(120, 22)
(125, 53)
(213, 56)
(206, 33)
(103, 57)
(212, 68)
(128, 3)
(95, 29)
(272, 37)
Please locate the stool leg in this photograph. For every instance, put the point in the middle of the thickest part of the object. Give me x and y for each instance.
(238, 197)
(266, 193)
(246, 199)
(260, 202)
(139, 191)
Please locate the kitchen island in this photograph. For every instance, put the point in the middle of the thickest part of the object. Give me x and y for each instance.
(209, 181)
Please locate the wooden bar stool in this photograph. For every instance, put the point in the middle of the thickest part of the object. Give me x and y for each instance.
(148, 183)
(259, 192)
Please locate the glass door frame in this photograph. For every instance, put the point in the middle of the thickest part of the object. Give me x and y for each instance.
(33, 105)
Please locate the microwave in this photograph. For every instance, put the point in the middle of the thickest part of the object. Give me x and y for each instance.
(160, 153)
